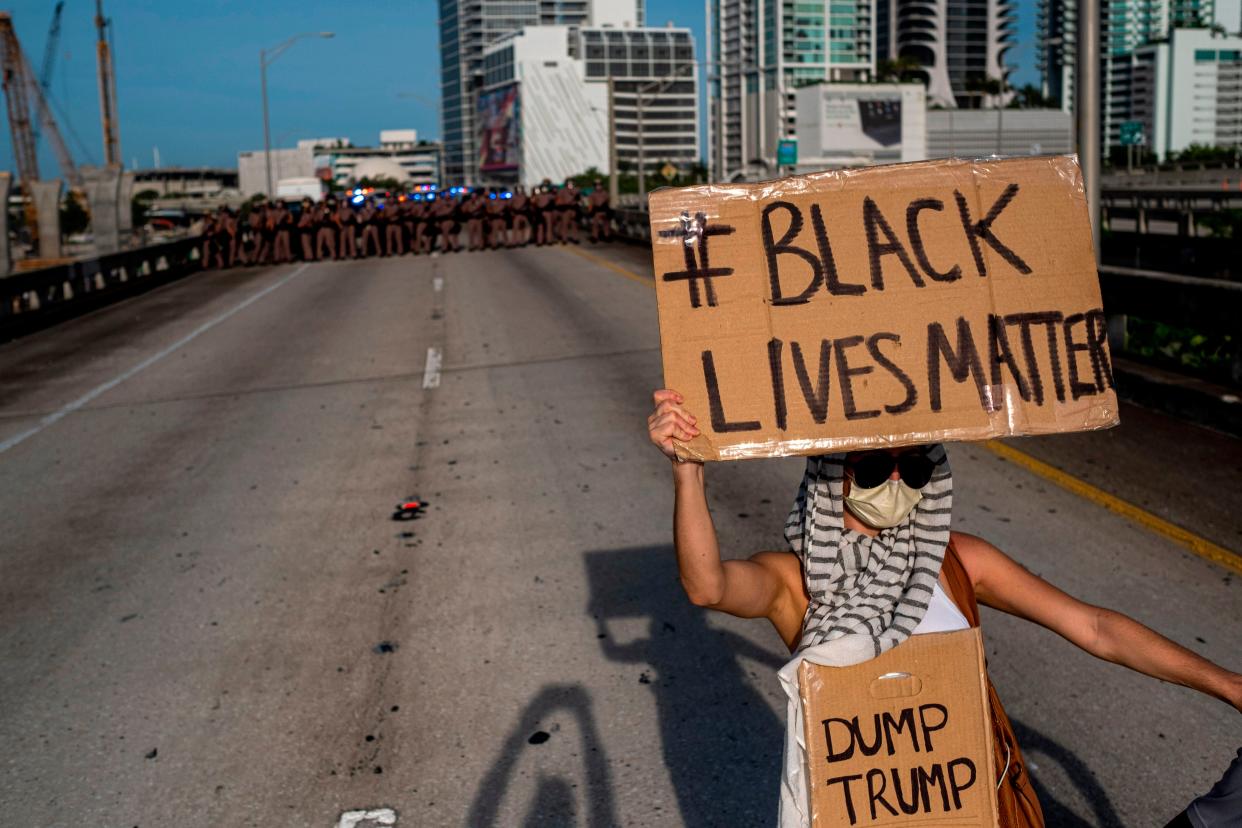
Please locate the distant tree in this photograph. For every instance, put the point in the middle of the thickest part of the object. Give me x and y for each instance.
(140, 205)
(1204, 153)
(903, 69)
(982, 86)
(73, 216)
(1030, 97)
(381, 183)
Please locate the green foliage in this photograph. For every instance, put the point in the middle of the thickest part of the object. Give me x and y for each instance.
(138, 209)
(1224, 224)
(381, 183)
(146, 195)
(1181, 349)
(1119, 157)
(904, 69)
(73, 216)
(1029, 97)
(1198, 153)
(627, 179)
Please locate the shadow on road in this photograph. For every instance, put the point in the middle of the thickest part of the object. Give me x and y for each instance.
(1048, 752)
(720, 739)
(555, 802)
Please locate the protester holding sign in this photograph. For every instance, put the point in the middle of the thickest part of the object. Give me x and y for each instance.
(858, 548)
(861, 317)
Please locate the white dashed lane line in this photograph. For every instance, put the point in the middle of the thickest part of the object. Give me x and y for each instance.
(431, 369)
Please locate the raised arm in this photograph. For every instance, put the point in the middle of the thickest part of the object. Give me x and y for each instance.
(1003, 584)
(745, 588)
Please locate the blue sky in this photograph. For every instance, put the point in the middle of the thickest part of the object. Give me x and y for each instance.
(188, 72)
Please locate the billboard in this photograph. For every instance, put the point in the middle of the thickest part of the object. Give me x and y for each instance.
(499, 123)
(860, 122)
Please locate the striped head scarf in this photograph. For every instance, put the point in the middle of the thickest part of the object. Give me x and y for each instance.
(870, 591)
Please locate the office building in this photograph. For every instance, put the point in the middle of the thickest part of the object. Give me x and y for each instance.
(959, 44)
(1125, 25)
(400, 155)
(758, 55)
(543, 106)
(468, 27)
(1184, 90)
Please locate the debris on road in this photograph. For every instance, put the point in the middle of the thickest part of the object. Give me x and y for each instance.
(409, 509)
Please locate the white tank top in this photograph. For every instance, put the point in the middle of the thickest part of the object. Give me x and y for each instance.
(942, 614)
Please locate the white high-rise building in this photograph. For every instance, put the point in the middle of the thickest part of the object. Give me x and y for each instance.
(1184, 90)
(468, 27)
(543, 106)
(759, 54)
(959, 45)
(1125, 25)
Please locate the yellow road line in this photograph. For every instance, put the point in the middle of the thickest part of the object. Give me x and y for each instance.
(1201, 546)
(620, 271)
(1197, 544)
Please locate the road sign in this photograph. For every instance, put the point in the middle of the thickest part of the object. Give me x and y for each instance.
(787, 152)
(669, 172)
(1133, 134)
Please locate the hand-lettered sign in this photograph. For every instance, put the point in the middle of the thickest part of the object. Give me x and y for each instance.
(902, 739)
(884, 306)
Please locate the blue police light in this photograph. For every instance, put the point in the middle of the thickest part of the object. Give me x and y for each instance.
(491, 195)
(507, 195)
(358, 199)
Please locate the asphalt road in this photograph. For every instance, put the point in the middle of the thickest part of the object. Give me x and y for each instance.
(208, 616)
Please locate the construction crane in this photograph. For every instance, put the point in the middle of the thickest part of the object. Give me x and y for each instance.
(107, 89)
(20, 90)
(49, 57)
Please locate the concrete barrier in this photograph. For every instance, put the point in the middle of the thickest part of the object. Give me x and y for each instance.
(39, 298)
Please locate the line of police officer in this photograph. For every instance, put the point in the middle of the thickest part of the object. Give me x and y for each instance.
(336, 229)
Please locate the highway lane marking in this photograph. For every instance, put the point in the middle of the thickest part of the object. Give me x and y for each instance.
(66, 410)
(431, 369)
(437, 284)
(379, 816)
(1197, 544)
(1188, 540)
(620, 271)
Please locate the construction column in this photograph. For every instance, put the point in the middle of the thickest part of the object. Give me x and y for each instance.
(46, 195)
(6, 259)
(124, 207)
(102, 191)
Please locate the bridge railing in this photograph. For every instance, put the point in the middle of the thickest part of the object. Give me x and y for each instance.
(38, 298)
(1210, 306)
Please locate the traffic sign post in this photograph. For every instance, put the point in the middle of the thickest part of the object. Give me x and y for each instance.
(787, 152)
(1132, 135)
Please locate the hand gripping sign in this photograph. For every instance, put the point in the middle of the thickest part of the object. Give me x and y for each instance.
(883, 306)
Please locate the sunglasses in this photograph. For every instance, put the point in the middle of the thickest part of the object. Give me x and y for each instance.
(870, 470)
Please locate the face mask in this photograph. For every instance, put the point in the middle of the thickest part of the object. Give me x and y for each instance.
(884, 506)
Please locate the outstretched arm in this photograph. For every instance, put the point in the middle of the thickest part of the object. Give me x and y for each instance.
(1003, 584)
(744, 588)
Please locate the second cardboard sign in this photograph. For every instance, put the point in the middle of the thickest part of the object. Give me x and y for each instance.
(904, 739)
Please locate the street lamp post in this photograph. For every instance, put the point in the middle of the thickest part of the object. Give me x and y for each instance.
(266, 58)
(640, 91)
(1089, 110)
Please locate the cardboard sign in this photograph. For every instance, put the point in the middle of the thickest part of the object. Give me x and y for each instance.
(904, 739)
(894, 305)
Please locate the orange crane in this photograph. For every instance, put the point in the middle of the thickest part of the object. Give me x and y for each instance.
(21, 89)
(107, 89)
